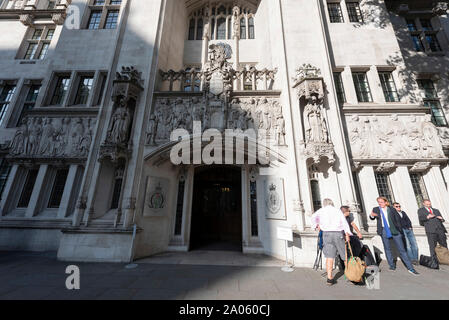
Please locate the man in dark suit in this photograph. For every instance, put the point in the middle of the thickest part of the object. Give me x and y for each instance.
(389, 227)
(432, 221)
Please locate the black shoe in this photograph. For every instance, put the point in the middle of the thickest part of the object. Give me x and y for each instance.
(414, 272)
(392, 268)
(331, 282)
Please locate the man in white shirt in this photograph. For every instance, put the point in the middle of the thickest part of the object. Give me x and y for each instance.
(335, 229)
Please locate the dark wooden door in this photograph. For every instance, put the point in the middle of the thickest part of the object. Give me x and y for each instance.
(217, 209)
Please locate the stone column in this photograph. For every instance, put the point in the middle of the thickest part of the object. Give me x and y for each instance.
(70, 183)
(8, 193)
(445, 171)
(38, 190)
(246, 219)
(369, 193)
(404, 194)
(437, 193)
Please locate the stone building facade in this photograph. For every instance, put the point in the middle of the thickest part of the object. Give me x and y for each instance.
(340, 99)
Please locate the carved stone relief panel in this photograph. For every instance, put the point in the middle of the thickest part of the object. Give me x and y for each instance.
(241, 113)
(393, 137)
(53, 137)
(156, 197)
(274, 198)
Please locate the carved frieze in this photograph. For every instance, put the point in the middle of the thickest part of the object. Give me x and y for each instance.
(241, 113)
(394, 137)
(53, 137)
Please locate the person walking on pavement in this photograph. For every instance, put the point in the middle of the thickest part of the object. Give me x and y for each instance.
(335, 231)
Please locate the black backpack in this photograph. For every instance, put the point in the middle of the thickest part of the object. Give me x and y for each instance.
(429, 262)
(367, 256)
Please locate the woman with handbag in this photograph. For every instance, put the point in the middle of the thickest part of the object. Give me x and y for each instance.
(335, 231)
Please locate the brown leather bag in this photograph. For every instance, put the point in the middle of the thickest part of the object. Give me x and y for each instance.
(355, 267)
(442, 254)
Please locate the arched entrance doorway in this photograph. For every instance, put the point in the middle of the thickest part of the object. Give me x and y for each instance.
(217, 209)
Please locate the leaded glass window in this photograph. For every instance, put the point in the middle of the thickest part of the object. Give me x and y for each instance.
(362, 87)
(419, 188)
(388, 86)
(335, 14)
(384, 186)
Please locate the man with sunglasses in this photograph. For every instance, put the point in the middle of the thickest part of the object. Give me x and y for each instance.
(410, 240)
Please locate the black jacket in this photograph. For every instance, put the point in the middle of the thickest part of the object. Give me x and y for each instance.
(396, 219)
(406, 223)
(431, 225)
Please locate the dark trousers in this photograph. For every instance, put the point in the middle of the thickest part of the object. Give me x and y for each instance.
(434, 238)
(399, 242)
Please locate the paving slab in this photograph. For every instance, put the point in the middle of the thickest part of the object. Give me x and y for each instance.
(43, 277)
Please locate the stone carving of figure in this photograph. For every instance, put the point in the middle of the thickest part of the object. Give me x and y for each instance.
(17, 146)
(120, 122)
(47, 137)
(242, 120)
(280, 129)
(86, 140)
(236, 23)
(251, 109)
(62, 138)
(35, 131)
(431, 141)
(262, 114)
(152, 130)
(414, 136)
(398, 136)
(314, 122)
(196, 110)
(77, 136)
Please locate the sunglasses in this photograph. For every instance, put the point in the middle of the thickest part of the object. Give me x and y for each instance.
(397, 206)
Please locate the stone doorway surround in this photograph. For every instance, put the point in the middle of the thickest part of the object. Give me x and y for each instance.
(181, 243)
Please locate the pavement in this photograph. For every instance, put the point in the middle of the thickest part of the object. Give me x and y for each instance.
(39, 276)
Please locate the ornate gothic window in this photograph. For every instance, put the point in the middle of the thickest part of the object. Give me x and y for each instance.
(220, 19)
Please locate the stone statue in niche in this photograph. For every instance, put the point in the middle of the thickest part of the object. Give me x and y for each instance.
(315, 122)
(120, 122)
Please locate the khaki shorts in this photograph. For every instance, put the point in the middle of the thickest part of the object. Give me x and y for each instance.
(334, 242)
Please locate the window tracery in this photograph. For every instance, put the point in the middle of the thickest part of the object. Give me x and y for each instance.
(221, 19)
